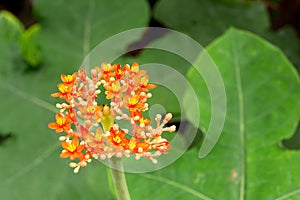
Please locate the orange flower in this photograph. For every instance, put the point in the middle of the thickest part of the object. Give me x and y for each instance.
(117, 137)
(65, 91)
(138, 117)
(62, 123)
(65, 88)
(135, 67)
(137, 147)
(119, 71)
(68, 79)
(107, 71)
(133, 103)
(113, 90)
(161, 144)
(127, 89)
(144, 121)
(72, 149)
(145, 86)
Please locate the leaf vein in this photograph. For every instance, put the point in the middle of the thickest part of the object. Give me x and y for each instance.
(241, 118)
(32, 99)
(177, 185)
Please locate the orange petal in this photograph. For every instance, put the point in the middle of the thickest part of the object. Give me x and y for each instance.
(65, 145)
(64, 154)
(59, 130)
(135, 67)
(57, 94)
(151, 86)
(63, 77)
(75, 141)
(52, 125)
(80, 148)
(68, 79)
(143, 145)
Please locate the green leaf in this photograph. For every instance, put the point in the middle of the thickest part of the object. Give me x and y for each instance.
(287, 40)
(30, 164)
(263, 92)
(206, 20)
(12, 31)
(248, 162)
(11, 27)
(10, 35)
(30, 49)
(69, 35)
(181, 180)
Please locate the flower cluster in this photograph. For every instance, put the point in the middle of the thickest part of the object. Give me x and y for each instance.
(91, 130)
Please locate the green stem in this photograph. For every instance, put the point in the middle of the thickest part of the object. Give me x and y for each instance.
(116, 166)
(119, 179)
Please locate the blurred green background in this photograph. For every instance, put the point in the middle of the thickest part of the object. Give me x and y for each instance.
(255, 44)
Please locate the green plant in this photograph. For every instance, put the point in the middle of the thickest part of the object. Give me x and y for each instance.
(262, 88)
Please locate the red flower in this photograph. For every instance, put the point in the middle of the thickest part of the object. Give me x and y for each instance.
(62, 123)
(68, 79)
(65, 88)
(137, 147)
(117, 137)
(72, 149)
(65, 91)
(127, 89)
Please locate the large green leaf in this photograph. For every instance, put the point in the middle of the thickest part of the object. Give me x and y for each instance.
(68, 36)
(263, 92)
(30, 48)
(205, 20)
(248, 162)
(10, 36)
(30, 164)
(288, 41)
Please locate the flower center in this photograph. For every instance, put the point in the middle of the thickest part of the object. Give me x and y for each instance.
(69, 78)
(72, 148)
(61, 121)
(117, 139)
(132, 144)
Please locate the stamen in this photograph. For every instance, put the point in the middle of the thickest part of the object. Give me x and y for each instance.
(58, 105)
(118, 118)
(149, 95)
(102, 157)
(62, 138)
(168, 117)
(154, 161)
(137, 156)
(127, 151)
(72, 164)
(76, 170)
(119, 155)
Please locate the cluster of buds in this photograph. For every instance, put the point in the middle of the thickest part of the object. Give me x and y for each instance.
(92, 130)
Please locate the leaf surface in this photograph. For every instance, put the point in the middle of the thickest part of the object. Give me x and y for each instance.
(30, 164)
(262, 89)
(206, 20)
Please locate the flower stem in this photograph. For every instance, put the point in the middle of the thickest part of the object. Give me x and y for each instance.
(119, 179)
